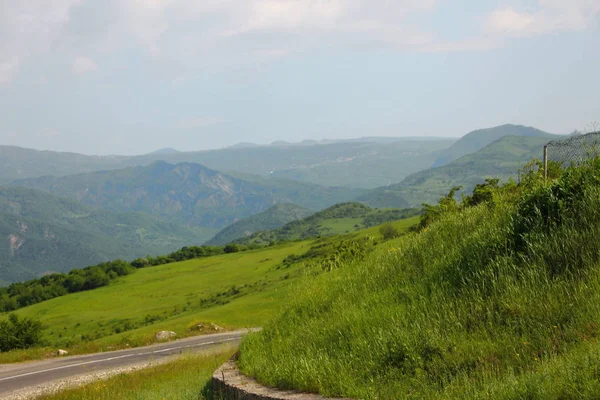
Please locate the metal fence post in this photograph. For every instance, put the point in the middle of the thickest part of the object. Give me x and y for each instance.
(545, 163)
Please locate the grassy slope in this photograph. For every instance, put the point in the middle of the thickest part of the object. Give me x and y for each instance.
(272, 218)
(234, 290)
(57, 235)
(338, 219)
(486, 303)
(501, 159)
(187, 193)
(183, 379)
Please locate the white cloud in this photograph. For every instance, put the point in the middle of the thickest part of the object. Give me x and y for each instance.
(28, 28)
(180, 36)
(550, 16)
(83, 65)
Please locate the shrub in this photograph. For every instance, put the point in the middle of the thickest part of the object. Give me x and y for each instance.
(19, 333)
(388, 231)
(231, 248)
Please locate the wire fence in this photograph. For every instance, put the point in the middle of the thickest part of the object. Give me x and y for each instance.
(565, 153)
(574, 150)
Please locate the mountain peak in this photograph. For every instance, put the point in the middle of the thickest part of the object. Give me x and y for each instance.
(166, 150)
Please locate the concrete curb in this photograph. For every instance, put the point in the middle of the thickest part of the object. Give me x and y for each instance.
(228, 383)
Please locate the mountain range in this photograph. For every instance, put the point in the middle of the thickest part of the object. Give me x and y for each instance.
(501, 159)
(187, 193)
(364, 163)
(84, 209)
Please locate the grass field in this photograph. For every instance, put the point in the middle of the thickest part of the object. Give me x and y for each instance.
(233, 291)
(495, 300)
(183, 379)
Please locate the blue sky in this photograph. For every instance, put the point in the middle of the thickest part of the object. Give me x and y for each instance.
(132, 76)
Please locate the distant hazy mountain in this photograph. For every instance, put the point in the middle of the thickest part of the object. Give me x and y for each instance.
(361, 164)
(187, 193)
(243, 145)
(338, 219)
(501, 159)
(272, 218)
(166, 150)
(355, 163)
(477, 140)
(20, 163)
(43, 233)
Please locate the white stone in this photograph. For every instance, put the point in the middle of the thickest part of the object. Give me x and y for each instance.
(164, 335)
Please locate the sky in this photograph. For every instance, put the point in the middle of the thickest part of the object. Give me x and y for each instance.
(133, 76)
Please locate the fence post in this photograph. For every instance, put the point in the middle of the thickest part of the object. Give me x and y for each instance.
(545, 163)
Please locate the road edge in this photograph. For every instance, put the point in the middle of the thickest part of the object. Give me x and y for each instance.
(228, 383)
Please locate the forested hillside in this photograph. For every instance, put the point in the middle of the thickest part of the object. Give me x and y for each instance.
(187, 193)
(503, 159)
(272, 218)
(43, 233)
(477, 140)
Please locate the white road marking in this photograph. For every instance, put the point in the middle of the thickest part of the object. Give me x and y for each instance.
(118, 357)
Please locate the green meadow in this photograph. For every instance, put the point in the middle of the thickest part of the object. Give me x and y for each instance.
(238, 290)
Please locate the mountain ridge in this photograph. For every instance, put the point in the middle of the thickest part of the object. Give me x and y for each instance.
(188, 193)
(43, 233)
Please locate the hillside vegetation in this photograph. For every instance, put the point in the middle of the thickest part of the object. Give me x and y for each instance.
(503, 159)
(338, 219)
(235, 290)
(272, 218)
(496, 298)
(477, 140)
(42, 233)
(187, 193)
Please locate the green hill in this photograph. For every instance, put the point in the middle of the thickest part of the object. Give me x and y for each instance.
(187, 193)
(502, 159)
(272, 218)
(235, 290)
(338, 219)
(43, 233)
(364, 163)
(497, 298)
(477, 140)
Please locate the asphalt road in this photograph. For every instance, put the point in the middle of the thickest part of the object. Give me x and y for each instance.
(31, 374)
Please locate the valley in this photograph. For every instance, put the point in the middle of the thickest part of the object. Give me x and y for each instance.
(286, 199)
(239, 290)
(305, 261)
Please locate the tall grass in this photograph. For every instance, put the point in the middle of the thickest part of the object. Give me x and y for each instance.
(185, 378)
(487, 299)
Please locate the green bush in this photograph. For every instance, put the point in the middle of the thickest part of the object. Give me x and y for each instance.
(19, 333)
(388, 231)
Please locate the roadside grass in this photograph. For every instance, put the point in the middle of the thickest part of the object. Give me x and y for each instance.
(239, 290)
(182, 379)
(499, 300)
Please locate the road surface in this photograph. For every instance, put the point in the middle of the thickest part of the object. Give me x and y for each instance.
(14, 377)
